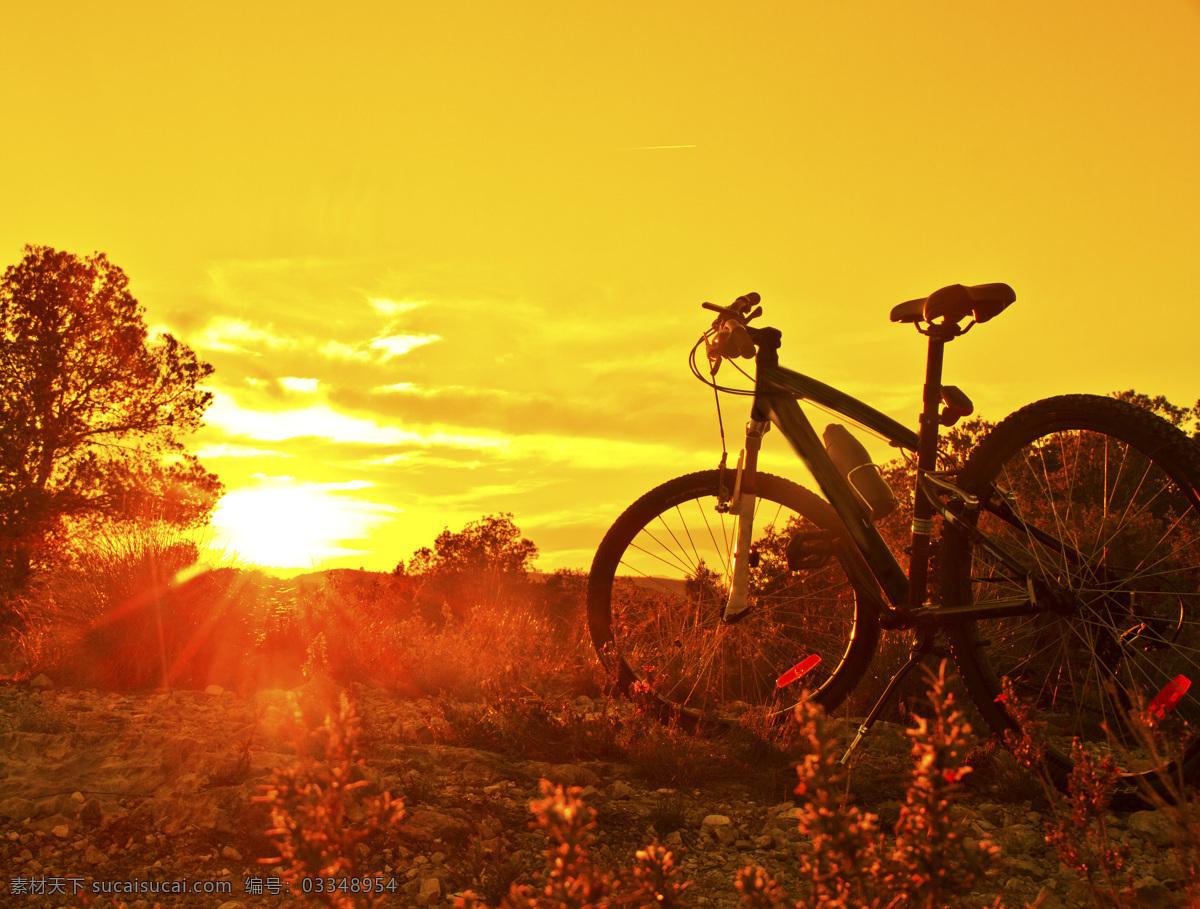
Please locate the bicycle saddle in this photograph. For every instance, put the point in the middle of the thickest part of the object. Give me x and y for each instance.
(957, 301)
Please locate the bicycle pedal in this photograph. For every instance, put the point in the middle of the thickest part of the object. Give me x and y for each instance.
(810, 549)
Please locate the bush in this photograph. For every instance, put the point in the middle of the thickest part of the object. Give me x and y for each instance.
(1078, 828)
(929, 861)
(318, 819)
(135, 609)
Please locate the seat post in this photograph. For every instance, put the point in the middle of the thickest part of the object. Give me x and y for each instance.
(927, 450)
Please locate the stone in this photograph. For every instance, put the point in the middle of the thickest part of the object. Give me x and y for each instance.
(1019, 838)
(1154, 826)
(430, 891)
(41, 680)
(571, 775)
(620, 790)
(16, 808)
(1153, 894)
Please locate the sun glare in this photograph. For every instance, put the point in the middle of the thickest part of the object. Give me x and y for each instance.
(280, 523)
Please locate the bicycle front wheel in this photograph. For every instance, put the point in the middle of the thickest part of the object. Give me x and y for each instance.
(1095, 502)
(656, 598)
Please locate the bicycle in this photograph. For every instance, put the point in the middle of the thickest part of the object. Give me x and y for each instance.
(1069, 560)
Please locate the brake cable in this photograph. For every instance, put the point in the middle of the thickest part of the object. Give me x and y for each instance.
(720, 421)
(713, 365)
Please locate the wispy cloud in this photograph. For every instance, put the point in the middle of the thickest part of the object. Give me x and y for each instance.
(397, 345)
(224, 333)
(323, 421)
(295, 383)
(225, 450)
(337, 350)
(440, 400)
(394, 307)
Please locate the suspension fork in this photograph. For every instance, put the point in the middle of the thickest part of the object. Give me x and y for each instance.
(742, 504)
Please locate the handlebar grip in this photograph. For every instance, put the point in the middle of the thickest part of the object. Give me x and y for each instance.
(741, 306)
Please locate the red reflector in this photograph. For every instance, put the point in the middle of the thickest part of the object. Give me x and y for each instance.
(796, 671)
(1171, 694)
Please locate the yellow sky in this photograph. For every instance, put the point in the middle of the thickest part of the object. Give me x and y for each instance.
(444, 266)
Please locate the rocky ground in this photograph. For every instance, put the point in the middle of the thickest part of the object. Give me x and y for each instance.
(101, 791)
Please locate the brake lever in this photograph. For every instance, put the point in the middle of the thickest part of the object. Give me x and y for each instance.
(731, 339)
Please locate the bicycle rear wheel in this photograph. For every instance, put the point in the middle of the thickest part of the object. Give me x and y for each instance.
(1096, 500)
(656, 595)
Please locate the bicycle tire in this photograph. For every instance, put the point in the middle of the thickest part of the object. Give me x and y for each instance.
(655, 606)
(1121, 619)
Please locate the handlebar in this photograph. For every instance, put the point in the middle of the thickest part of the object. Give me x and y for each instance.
(730, 337)
(741, 306)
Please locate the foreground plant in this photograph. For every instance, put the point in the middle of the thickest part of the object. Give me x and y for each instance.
(572, 881)
(852, 863)
(1078, 828)
(311, 803)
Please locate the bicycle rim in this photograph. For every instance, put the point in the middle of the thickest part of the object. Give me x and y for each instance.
(1097, 503)
(657, 592)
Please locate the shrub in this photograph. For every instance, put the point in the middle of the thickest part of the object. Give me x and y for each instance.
(136, 609)
(852, 863)
(571, 880)
(311, 804)
(1078, 828)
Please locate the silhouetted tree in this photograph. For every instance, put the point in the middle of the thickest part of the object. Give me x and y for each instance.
(562, 598)
(1187, 419)
(92, 410)
(484, 563)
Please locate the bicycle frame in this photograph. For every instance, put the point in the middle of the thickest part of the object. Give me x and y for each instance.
(898, 599)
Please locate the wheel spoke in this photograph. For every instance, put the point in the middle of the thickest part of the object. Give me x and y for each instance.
(1113, 539)
(661, 607)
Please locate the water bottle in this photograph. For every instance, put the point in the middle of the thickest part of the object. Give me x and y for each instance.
(856, 466)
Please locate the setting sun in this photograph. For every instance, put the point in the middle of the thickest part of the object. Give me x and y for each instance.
(281, 523)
